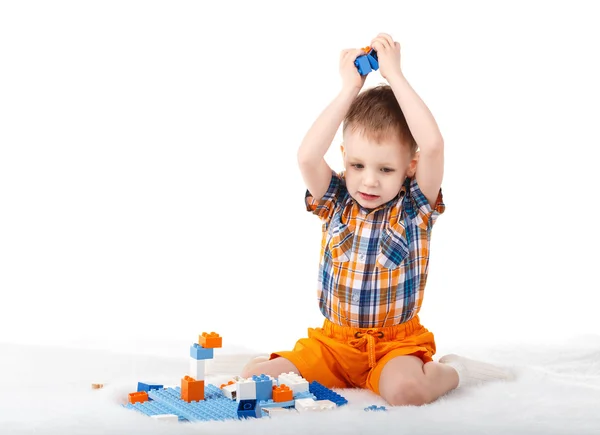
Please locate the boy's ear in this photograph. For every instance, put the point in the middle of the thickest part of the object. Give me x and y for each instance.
(343, 150)
(412, 166)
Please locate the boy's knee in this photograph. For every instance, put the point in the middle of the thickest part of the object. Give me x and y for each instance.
(408, 392)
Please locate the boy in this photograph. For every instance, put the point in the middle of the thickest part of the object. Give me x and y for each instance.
(377, 219)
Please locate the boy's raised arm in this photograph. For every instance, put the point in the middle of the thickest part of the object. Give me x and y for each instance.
(311, 153)
(430, 169)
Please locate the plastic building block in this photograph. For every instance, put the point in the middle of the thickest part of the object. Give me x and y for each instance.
(198, 352)
(375, 408)
(197, 368)
(210, 340)
(245, 390)
(367, 62)
(229, 390)
(363, 65)
(324, 393)
(272, 404)
(282, 393)
(296, 382)
(191, 389)
(264, 387)
(142, 386)
(152, 407)
(274, 412)
(97, 386)
(248, 408)
(214, 406)
(303, 405)
(305, 395)
(166, 417)
(138, 396)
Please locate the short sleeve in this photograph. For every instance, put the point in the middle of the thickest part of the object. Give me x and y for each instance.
(325, 206)
(425, 215)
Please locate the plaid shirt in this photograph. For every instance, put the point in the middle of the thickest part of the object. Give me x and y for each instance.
(374, 263)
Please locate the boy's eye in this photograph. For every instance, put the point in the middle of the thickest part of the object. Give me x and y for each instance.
(357, 165)
(387, 170)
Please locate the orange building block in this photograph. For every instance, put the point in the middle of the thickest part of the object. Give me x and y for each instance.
(228, 383)
(282, 393)
(191, 389)
(139, 396)
(210, 341)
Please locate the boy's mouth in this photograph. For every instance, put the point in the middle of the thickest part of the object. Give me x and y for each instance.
(368, 197)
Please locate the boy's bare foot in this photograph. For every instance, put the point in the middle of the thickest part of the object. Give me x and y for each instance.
(471, 372)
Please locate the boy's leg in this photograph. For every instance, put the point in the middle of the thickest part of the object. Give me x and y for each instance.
(406, 380)
(264, 366)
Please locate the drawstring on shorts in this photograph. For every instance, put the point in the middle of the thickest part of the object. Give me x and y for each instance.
(367, 337)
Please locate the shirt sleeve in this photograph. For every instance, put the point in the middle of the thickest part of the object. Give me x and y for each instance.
(425, 215)
(325, 206)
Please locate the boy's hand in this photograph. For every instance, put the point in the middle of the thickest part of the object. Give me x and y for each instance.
(351, 78)
(388, 55)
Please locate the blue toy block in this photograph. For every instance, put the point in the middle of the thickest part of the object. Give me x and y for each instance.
(305, 395)
(142, 386)
(270, 404)
(375, 408)
(215, 406)
(324, 393)
(363, 65)
(199, 352)
(248, 408)
(264, 387)
(373, 59)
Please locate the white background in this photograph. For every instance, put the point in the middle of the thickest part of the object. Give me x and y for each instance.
(149, 188)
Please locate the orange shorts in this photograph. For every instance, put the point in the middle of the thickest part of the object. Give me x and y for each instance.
(344, 357)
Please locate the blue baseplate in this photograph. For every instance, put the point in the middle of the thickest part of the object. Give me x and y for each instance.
(215, 406)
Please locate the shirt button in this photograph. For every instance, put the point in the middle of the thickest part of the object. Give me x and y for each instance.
(355, 298)
(361, 257)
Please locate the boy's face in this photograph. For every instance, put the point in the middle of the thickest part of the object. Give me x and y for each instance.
(375, 171)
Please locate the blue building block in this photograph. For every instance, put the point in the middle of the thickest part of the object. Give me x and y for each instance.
(270, 404)
(375, 408)
(142, 386)
(151, 408)
(248, 408)
(264, 387)
(363, 65)
(324, 393)
(215, 405)
(199, 352)
(305, 395)
(373, 59)
(367, 63)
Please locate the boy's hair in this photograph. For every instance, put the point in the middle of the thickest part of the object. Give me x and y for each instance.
(377, 114)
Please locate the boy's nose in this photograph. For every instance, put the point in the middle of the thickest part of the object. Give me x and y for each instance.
(370, 181)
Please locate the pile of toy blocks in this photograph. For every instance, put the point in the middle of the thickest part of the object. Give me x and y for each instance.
(255, 397)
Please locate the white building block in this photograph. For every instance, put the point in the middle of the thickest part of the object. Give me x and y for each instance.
(296, 382)
(305, 405)
(246, 390)
(197, 369)
(325, 405)
(230, 391)
(275, 411)
(166, 417)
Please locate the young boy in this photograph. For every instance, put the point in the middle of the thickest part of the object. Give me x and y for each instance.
(377, 219)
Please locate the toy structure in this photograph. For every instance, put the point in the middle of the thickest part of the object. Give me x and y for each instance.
(367, 62)
(255, 397)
